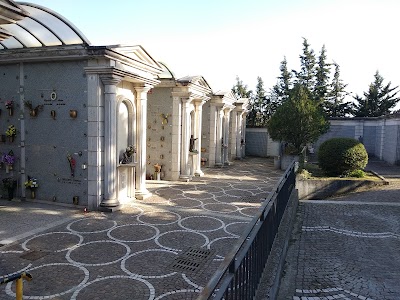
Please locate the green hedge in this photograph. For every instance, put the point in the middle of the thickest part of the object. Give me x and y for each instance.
(340, 156)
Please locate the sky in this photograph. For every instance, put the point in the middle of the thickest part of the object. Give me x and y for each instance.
(222, 39)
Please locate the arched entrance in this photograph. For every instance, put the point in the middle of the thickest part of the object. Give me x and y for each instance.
(126, 138)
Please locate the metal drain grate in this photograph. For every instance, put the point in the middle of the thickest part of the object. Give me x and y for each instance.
(192, 261)
(34, 255)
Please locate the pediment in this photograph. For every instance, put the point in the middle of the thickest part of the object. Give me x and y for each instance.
(197, 81)
(225, 97)
(138, 53)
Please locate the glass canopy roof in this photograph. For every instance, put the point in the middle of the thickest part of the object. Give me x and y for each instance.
(41, 28)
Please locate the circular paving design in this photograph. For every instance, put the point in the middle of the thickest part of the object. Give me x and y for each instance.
(222, 245)
(181, 240)
(168, 192)
(159, 218)
(137, 264)
(239, 193)
(53, 241)
(186, 203)
(249, 211)
(56, 279)
(195, 194)
(91, 225)
(133, 233)
(179, 295)
(201, 223)
(98, 253)
(220, 207)
(116, 288)
(235, 228)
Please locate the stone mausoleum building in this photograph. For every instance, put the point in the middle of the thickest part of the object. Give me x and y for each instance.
(224, 129)
(83, 124)
(72, 110)
(174, 131)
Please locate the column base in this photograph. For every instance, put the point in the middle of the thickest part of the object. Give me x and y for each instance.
(186, 178)
(218, 165)
(143, 194)
(227, 163)
(199, 173)
(110, 209)
(109, 203)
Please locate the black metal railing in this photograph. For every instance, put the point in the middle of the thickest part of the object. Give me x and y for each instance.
(239, 274)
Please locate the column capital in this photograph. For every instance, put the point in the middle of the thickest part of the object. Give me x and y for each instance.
(143, 88)
(199, 102)
(110, 79)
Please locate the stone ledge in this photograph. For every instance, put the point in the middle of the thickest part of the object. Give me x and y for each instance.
(320, 189)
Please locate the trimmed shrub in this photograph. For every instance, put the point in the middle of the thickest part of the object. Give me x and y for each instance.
(356, 173)
(340, 156)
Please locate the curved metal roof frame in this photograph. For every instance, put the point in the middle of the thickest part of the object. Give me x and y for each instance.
(167, 74)
(42, 27)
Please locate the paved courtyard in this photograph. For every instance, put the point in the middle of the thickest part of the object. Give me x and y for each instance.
(133, 253)
(346, 248)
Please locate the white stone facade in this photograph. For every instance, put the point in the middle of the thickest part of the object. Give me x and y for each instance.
(175, 117)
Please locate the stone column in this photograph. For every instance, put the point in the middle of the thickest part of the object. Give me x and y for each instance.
(244, 135)
(176, 137)
(227, 112)
(198, 121)
(141, 129)
(213, 135)
(186, 121)
(110, 141)
(218, 150)
(239, 135)
(233, 134)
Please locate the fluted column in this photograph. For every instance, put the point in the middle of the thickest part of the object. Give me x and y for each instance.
(185, 170)
(227, 113)
(141, 127)
(244, 135)
(110, 141)
(218, 150)
(239, 135)
(198, 122)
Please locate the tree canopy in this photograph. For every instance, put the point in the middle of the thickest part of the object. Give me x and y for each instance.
(378, 100)
(298, 120)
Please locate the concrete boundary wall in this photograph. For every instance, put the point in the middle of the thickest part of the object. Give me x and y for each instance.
(380, 136)
(259, 143)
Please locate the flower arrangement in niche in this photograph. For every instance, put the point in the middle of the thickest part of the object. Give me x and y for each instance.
(72, 164)
(9, 160)
(32, 184)
(11, 132)
(9, 106)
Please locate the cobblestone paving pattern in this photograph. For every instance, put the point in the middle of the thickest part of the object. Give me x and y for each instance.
(348, 249)
(129, 254)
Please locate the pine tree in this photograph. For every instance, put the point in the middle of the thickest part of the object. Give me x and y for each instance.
(240, 90)
(321, 77)
(307, 75)
(260, 104)
(280, 90)
(378, 100)
(334, 104)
